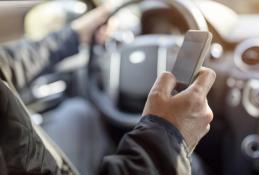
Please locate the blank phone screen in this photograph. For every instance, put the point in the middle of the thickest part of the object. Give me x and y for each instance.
(189, 57)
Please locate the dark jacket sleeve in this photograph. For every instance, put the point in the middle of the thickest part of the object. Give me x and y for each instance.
(26, 149)
(2, 163)
(22, 61)
(154, 147)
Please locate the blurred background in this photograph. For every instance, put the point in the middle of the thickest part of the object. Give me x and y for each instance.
(232, 146)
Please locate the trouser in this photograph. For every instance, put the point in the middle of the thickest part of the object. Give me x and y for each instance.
(76, 127)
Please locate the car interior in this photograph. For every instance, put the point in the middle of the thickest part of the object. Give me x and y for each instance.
(116, 76)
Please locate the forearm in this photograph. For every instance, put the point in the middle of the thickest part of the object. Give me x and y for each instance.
(154, 147)
(24, 60)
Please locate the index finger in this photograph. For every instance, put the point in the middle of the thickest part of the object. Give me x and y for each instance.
(204, 81)
(164, 84)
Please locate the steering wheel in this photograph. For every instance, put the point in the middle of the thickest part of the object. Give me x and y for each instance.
(133, 67)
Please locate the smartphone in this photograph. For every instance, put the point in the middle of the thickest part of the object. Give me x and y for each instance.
(190, 57)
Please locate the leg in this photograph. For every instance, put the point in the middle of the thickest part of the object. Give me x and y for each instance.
(76, 127)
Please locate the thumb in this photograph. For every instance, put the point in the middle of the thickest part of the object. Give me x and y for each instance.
(164, 84)
(204, 81)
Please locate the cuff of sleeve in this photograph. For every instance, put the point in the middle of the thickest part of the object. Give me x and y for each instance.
(74, 35)
(68, 43)
(169, 128)
(72, 40)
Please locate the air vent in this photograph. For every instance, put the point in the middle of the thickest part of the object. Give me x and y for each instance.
(246, 55)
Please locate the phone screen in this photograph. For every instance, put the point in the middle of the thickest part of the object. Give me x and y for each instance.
(191, 56)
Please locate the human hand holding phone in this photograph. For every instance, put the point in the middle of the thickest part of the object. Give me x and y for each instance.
(188, 110)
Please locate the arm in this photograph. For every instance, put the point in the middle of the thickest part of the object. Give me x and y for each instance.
(161, 145)
(24, 60)
(154, 147)
(158, 145)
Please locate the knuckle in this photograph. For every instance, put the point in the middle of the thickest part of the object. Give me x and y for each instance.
(209, 117)
(197, 98)
(207, 128)
(194, 100)
(155, 95)
(197, 90)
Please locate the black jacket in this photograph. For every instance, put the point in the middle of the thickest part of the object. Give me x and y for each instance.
(153, 147)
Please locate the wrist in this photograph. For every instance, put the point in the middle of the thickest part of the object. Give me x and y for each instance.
(86, 25)
(170, 128)
(188, 140)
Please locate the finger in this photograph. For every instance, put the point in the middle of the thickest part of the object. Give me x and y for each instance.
(164, 84)
(106, 31)
(204, 81)
(102, 11)
(101, 36)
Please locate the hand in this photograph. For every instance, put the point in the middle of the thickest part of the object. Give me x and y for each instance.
(188, 111)
(87, 24)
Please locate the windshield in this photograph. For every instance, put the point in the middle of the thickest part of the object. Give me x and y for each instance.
(239, 6)
(242, 6)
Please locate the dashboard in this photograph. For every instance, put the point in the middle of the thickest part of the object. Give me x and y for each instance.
(235, 97)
